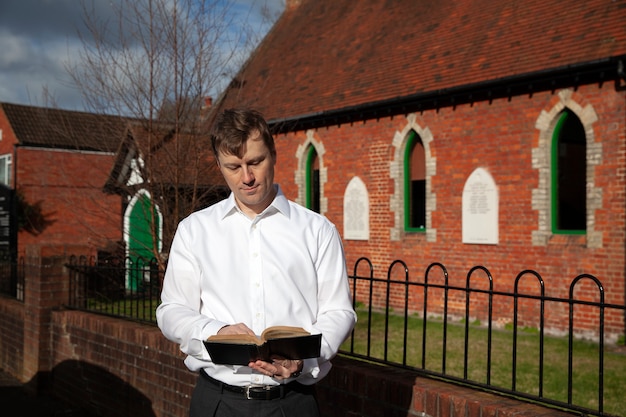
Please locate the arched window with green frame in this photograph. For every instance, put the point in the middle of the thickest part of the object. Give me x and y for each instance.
(312, 180)
(569, 176)
(414, 184)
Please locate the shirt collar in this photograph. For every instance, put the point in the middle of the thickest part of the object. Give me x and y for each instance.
(279, 204)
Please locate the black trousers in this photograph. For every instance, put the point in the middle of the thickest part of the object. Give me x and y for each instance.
(210, 400)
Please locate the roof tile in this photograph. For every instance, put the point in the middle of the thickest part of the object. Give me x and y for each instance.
(64, 129)
(330, 54)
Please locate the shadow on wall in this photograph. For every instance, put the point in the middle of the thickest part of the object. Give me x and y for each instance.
(356, 388)
(15, 400)
(97, 392)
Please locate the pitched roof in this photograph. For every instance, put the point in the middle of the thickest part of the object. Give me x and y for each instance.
(64, 129)
(183, 159)
(323, 55)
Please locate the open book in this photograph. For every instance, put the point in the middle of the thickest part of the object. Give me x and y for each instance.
(284, 341)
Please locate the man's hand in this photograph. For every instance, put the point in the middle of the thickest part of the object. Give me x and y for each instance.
(279, 368)
(238, 328)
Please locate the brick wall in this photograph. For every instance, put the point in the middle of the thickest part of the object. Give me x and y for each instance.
(8, 138)
(11, 335)
(122, 368)
(68, 187)
(509, 138)
(355, 388)
(118, 367)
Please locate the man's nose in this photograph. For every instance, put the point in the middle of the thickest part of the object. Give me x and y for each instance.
(248, 177)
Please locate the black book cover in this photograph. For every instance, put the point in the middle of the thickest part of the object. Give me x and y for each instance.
(226, 352)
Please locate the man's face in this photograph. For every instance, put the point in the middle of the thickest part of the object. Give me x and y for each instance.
(251, 177)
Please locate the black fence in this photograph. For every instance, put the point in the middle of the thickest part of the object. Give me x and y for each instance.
(560, 352)
(128, 288)
(12, 278)
(486, 333)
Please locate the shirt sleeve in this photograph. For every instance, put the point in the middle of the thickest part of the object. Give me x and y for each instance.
(336, 316)
(178, 315)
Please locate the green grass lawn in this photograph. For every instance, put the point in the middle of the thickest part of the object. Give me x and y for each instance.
(585, 373)
(138, 309)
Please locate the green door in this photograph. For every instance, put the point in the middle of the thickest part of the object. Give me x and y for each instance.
(143, 238)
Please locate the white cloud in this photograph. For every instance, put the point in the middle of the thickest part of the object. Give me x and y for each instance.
(39, 37)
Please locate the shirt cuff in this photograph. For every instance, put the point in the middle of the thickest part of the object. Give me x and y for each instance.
(310, 368)
(196, 346)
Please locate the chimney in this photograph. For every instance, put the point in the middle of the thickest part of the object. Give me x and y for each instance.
(206, 107)
(292, 4)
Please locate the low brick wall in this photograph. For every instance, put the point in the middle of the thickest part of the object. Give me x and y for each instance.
(123, 368)
(117, 367)
(11, 335)
(357, 388)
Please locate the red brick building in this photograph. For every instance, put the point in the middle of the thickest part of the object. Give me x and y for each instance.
(395, 112)
(81, 181)
(58, 162)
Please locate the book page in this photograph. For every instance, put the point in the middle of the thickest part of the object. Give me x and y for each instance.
(236, 338)
(277, 332)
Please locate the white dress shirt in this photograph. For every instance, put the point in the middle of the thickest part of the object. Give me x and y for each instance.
(284, 267)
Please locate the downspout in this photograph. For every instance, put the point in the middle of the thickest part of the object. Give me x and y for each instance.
(14, 238)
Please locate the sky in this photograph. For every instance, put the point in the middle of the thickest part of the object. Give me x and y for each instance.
(38, 38)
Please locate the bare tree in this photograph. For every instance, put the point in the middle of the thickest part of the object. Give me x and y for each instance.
(156, 62)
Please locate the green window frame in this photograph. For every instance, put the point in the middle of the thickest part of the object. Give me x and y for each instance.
(568, 176)
(414, 184)
(312, 180)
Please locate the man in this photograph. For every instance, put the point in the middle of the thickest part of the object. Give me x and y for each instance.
(249, 262)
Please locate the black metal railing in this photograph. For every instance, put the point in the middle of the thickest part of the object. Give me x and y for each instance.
(128, 288)
(470, 321)
(581, 316)
(12, 278)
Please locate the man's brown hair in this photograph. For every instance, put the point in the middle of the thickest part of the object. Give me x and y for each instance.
(234, 127)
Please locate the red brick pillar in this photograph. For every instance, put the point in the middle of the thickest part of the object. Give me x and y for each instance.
(45, 289)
